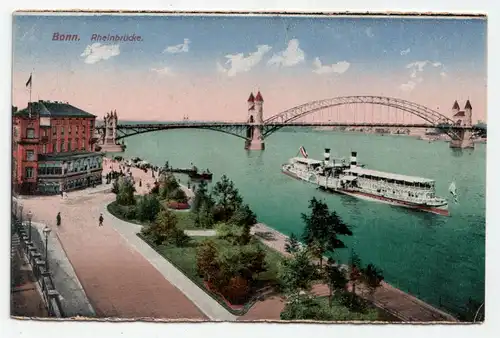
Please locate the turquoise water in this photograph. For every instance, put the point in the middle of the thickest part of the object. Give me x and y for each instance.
(438, 259)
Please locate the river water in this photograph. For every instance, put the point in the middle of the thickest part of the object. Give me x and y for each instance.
(439, 259)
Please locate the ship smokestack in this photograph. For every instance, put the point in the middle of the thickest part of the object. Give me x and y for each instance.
(354, 161)
(327, 154)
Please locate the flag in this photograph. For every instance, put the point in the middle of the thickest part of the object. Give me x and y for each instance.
(303, 152)
(28, 83)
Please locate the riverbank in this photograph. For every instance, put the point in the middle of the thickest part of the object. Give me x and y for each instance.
(398, 303)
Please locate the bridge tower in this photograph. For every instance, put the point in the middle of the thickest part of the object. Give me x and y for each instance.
(255, 140)
(464, 119)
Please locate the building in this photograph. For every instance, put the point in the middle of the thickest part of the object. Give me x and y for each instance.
(53, 149)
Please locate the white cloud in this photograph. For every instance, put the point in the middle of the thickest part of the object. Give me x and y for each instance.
(181, 48)
(416, 68)
(339, 67)
(408, 87)
(162, 71)
(404, 52)
(97, 52)
(369, 32)
(291, 56)
(443, 74)
(239, 63)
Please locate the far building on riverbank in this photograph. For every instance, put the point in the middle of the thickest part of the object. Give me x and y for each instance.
(53, 149)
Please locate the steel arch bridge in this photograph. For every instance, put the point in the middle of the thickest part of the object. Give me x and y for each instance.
(291, 117)
(434, 118)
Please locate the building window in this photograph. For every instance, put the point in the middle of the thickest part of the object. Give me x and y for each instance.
(62, 131)
(62, 147)
(44, 132)
(69, 130)
(83, 144)
(54, 130)
(28, 172)
(54, 147)
(69, 145)
(30, 155)
(76, 127)
(30, 133)
(44, 148)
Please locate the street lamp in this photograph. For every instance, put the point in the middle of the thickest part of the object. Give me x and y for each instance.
(30, 215)
(46, 232)
(21, 212)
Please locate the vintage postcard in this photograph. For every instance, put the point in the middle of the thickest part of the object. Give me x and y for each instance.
(248, 167)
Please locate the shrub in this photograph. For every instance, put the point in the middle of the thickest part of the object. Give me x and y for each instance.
(126, 191)
(177, 205)
(237, 290)
(178, 195)
(147, 208)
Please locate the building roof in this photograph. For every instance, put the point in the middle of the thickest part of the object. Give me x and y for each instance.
(459, 114)
(68, 156)
(468, 105)
(54, 109)
(259, 98)
(456, 106)
(391, 176)
(251, 98)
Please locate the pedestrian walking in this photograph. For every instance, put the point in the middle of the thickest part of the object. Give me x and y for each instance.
(101, 219)
(58, 219)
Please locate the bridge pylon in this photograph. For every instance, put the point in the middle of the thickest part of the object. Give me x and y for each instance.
(464, 119)
(255, 139)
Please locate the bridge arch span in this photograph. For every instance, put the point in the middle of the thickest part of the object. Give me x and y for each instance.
(124, 131)
(280, 120)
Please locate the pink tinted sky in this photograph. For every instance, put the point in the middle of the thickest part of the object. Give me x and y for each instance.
(138, 96)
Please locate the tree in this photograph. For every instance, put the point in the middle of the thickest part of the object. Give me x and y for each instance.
(205, 217)
(237, 290)
(335, 278)
(206, 261)
(297, 272)
(163, 228)
(227, 197)
(245, 218)
(292, 244)
(245, 261)
(229, 232)
(317, 250)
(126, 191)
(200, 196)
(168, 184)
(372, 277)
(324, 227)
(147, 208)
(178, 195)
(301, 307)
(354, 273)
(115, 188)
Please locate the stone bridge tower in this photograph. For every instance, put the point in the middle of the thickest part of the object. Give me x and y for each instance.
(255, 141)
(464, 119)
(110, 123)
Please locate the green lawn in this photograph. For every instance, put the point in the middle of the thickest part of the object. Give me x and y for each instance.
(184, 218)
(339, 312)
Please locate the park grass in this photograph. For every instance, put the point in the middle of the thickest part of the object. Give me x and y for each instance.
(185, 219)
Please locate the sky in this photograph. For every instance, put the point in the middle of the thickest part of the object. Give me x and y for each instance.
(206, 66)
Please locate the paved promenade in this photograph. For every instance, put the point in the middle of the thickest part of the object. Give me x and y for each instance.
(117, 279)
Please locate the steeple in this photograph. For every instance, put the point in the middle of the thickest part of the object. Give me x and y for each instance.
(456, 106)
(251, 98)
(259, 98)
(468, 105)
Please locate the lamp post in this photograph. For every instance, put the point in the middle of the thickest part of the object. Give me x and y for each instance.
(21, 212)
(30, 215)
(46, 232)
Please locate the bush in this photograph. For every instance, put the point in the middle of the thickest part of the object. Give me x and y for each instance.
(237, 290)
(177, 205)
(147, 208)
(178, 195)
(126, 191)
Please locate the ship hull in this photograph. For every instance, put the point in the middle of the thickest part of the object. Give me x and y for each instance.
(438, 210)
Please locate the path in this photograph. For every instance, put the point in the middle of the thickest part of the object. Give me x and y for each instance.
(206, 303)
(396, 302)
(118, 280)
